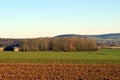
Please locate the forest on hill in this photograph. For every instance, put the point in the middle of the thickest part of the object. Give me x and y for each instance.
(111, 36)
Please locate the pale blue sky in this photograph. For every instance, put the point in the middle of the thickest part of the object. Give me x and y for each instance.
(44, 18)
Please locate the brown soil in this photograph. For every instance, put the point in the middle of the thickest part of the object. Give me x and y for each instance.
(59, 72)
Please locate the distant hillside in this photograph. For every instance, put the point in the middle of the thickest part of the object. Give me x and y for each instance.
(112, 36)
(68, 35)
(104, 39)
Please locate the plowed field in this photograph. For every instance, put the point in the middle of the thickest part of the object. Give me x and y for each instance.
(59, 72)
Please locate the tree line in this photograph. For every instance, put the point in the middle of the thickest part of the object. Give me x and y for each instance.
(9, 42)
(58, 44)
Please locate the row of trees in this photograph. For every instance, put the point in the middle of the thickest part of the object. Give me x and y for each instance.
(58, 44)
(9, 42)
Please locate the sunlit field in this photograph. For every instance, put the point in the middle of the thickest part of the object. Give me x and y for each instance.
(103, 56)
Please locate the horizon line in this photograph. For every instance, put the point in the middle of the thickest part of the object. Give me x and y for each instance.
(54, 35)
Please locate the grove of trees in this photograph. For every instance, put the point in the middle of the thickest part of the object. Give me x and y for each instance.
(58, 44)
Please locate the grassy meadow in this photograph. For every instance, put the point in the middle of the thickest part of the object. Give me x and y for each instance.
(103, 56)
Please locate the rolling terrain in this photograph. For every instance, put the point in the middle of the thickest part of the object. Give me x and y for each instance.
(106, 40)
(111, 36)
(101, 37)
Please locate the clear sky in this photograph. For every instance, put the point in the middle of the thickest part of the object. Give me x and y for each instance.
(44, 18)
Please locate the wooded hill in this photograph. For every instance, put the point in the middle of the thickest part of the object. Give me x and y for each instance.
(111, 36)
